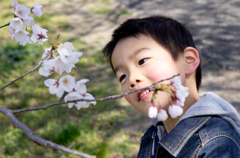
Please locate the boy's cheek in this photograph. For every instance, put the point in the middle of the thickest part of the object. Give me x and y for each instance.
(128, 98)
(157, 73)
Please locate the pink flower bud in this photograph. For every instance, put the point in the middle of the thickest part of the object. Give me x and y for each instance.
(11, 30)
(162, 115)
(152, 112)
(14, 4)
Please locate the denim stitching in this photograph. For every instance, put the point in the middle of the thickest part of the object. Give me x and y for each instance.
(218, 136)
(222, 134)
(146, 136)
(198, 149)
(188, 132)
(200, 135)
(203, 134)
(149, 151)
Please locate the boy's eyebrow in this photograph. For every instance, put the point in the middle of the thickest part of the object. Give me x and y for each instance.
(131, 56)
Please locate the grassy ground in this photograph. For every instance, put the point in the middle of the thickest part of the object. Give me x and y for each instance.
(97, 130)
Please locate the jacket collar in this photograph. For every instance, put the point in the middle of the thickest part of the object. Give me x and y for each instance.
(174, 141)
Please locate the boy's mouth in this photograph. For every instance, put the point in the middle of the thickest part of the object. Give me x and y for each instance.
(143, 92)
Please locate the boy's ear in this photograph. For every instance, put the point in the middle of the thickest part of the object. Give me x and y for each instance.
(191, 60)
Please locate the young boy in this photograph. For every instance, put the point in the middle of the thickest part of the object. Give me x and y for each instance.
(144, 51)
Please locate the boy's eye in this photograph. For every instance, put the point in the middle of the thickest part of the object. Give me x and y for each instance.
(142, 61)
(122, 78)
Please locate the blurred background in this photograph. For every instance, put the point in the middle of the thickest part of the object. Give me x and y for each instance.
(110, 129)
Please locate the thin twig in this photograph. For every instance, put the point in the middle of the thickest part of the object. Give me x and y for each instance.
(38, 140)
(5, 25)
(73, 143)
(88, 100)
(39, 64)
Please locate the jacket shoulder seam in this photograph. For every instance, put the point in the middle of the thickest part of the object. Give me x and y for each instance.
(219, 134)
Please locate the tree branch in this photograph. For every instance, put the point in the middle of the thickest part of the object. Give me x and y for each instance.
(88, 100)
(39, 64)
(38, 140)
(5, 25)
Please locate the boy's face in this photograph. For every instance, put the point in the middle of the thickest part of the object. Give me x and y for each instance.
(139, 62)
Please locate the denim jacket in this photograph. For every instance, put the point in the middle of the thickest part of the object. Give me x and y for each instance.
(202, 136)
(215, 134)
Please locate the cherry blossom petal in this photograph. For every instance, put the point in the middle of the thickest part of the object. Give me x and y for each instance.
(182, 93)
(162, 115)
(176, 82)
(65, 49)
(37, 10)
(14, 4)
(29, 40)
(60, 92)
(49, 82)
(175, 111)
(152, 112)
(61, 66)
(89, 96)
(20, 36)
(80, 86)
(73, 96)
(39, 34)
(47, 50)
(29, 21)
(21, 11)
(82, 104)
(67, 83)
(16, 23)
(44, 72)
(11, 30)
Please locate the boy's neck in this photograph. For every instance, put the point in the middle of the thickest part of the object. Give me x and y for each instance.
(193, 97)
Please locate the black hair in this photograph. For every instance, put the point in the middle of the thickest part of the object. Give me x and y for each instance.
(166, 31)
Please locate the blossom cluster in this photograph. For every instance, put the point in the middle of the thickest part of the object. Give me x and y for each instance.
(21, 16)
(178, 94)
(63, 61)
(77, 90)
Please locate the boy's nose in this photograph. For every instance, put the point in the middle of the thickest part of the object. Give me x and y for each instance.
(134, 84)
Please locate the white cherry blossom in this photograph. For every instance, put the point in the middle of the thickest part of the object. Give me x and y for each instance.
(29, 40)
(86, 103)
(162, 115)
(39, 34)
(65, 49)
(14, 4)
(37, 10)
(80, 104)
(16, 23)
(60, 66)
(67, 83)
(29, 21)
(152, 112)
(175, 111)
(73, 96)
(11, 30)
(81, 87)
(47, 68)
(20, 36)
(47, 50)
(54, 87)
(181, 94)
(21, 11)
(176, 82)
(181, 91)
(73, 58)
